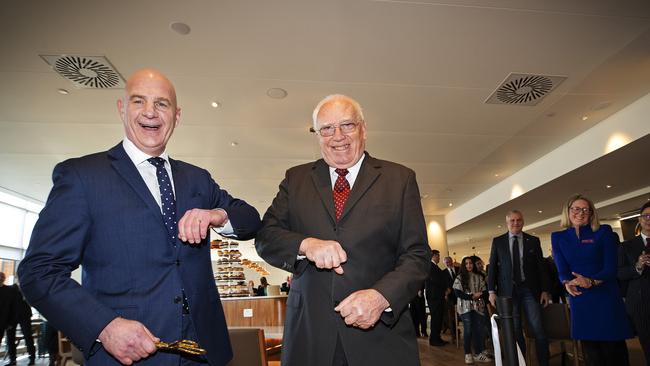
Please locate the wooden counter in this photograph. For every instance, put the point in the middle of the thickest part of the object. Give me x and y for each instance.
(266, 310)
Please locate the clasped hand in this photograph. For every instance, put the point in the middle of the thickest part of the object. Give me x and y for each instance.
(326, 254)
(644, 261)
(128, 340)
(579, 281)
(363, 308)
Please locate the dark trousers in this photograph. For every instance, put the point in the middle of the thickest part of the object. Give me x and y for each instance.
(600, 353)
(641, 319)
(436, 309)
(419, 315)
(524, 300)
(190, 333)
(473, 327)
(449, 319)
(644, 338)
(26, 328)
(339, 354)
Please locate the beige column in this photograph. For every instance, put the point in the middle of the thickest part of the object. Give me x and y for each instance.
(437, 233)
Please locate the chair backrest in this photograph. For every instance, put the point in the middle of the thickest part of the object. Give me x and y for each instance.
(556, 322)
(273, 290)
(248, 347)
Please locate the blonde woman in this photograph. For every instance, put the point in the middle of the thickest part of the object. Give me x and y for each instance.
(586, 257)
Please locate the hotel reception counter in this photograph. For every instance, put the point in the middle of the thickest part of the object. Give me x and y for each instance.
(255, 310)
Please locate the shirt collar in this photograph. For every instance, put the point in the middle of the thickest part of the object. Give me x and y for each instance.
(136, 155)
(353, 171)
(519, 236)
(645, 237)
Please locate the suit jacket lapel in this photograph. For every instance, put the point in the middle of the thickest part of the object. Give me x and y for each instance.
(507, 263)
(182, 195)
(124, 167)
(368, 174)
(320, 175)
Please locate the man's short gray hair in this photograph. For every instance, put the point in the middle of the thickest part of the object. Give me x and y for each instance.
(511, 212)
(336, 97)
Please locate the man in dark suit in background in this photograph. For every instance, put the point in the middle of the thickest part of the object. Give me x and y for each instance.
(450, 298)
(633, 263)
(6, 305)
(517, 270)
(137, 222)
(436, 287)
(351, 229)
(22, 315)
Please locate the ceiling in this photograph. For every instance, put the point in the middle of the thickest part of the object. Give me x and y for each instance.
(421, 70)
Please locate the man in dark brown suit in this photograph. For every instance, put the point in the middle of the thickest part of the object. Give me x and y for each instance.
(633, 263)
(351, 229)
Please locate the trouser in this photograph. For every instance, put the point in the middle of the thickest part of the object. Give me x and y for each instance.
(419, 315)
(26, 328)
(190, 333)
(450, 316)
(524, 300)
(473, 332)
(339, 354)
(601, 353)
(436, 308)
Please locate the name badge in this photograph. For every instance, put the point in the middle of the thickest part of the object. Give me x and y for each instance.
(587, 241)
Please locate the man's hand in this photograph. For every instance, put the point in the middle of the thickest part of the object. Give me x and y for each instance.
(193, 226)
(545, 299)
(493, 299)
(643, 261)
(363, 308)
(128, 340)
(476, 295)
(326, 254)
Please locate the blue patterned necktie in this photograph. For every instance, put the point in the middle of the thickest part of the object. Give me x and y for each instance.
(166, 196)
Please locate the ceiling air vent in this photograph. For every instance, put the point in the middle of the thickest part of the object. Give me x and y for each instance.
(90, 72)
(524, 89)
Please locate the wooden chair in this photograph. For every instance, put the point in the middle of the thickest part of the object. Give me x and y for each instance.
(248, 347)
(65, 350)
(557, 325)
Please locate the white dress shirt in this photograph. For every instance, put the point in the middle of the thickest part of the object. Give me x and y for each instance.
(351, 177)
(148, 173)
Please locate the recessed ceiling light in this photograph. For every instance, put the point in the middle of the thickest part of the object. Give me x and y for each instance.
(63, 91)
(539, 211)
(180, 28)
(277, 93)
(499, 226)
(496, 174)
(584, 118)
(215, 104)
(608, 186)
(450, 204)
(234, 143)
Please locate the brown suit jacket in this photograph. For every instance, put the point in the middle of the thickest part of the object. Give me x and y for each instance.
(382, 230)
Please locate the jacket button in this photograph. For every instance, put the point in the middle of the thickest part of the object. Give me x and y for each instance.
(177, 300)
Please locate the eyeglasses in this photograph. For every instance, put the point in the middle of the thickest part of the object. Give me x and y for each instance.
(346, 127)
(577, 210)
(645, 217)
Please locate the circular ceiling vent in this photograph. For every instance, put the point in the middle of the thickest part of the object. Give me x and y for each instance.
(524, 90)
(87, 72)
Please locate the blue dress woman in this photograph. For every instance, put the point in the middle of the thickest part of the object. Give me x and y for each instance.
(586, 257)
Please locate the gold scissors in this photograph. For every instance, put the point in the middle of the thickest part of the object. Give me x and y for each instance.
(185, 346)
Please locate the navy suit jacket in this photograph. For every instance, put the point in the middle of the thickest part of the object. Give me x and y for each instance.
(101, 215)
(500, 270)
(638, 285)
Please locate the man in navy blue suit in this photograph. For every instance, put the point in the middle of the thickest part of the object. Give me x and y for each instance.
(517, 270)
(137, 222)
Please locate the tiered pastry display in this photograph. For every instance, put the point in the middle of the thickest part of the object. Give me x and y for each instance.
(230, 278)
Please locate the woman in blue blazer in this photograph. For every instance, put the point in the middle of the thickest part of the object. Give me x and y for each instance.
(586, 256)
